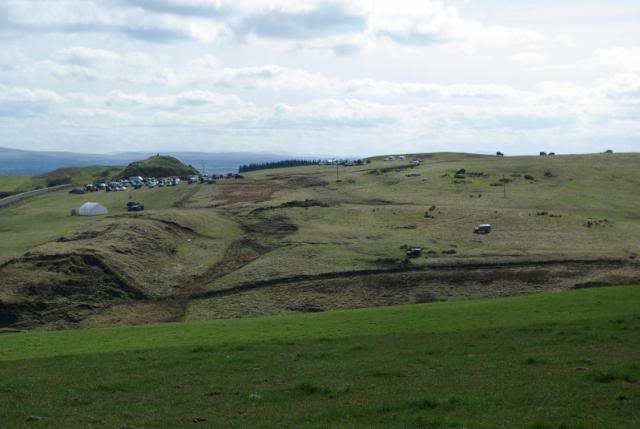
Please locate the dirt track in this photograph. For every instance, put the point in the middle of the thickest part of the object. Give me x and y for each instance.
(367, 288)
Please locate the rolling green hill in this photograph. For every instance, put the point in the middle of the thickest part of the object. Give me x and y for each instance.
(61, 176)
(297, 240)
(554, 360)
(297, 244)
(158, 166)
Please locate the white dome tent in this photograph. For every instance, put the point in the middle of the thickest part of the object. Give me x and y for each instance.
(92, 209)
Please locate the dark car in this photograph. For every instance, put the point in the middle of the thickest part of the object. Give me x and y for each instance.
(77, 191)
(134, 206)
(414, 252)
(482, 229)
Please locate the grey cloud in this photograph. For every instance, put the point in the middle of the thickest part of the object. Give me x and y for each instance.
(200, 8)
(413, 37)
(323, 20)
(145, 32)
(134, 26)
(143, 21)
(344, 49)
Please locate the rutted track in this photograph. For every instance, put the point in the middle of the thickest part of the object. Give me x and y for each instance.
(434, 268)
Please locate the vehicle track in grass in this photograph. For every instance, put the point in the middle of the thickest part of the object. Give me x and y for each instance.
(459, 266)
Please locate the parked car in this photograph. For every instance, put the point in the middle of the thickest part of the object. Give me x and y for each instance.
(135, 206)
(77, 191)
(482, 229)
(414, 252)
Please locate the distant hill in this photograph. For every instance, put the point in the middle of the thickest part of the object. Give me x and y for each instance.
(158, 166)
(15, 162)
(62, 176)
(76, 175)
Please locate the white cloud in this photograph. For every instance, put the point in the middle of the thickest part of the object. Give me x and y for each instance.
(340, 74)
(341, 27)
(621, 59)
(529, 58)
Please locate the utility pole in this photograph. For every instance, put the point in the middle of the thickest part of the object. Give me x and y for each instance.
(203, 172)
(337, 173)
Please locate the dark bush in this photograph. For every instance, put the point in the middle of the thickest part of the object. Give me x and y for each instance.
(57, 181)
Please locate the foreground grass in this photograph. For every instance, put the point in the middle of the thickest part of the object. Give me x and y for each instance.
(560, 360)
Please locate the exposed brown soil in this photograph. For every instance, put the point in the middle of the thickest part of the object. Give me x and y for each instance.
(410, 285)
(247, 191)
(137, 313)
(269, 227)
(292, 204)
(60, 293)
(63, 282)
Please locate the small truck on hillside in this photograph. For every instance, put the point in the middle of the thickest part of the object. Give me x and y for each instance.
(485, 228)
(414, 252)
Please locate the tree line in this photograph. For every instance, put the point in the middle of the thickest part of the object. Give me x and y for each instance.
(276, 164)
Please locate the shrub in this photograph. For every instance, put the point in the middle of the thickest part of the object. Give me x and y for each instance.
(56, 181)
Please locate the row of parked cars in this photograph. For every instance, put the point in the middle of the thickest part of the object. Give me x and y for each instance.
(210, 179)
(138, 182)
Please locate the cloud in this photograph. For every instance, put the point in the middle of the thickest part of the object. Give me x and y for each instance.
(28, 17)
(25, 102)
(320, 19)
(333, 113)
(82, 56)
(621, 59)
(529, 58)
(340, 27)
(195, 8)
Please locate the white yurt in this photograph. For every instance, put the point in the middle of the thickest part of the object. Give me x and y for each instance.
(92, 209)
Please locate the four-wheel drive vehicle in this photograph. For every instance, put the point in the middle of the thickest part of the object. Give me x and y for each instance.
(134, 206)
(414, 252)
(482, 229)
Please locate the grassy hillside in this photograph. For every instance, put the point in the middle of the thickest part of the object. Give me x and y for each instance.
(298, 240)
(47, 217)
(557, 360)
(158, 166)
(61, 176)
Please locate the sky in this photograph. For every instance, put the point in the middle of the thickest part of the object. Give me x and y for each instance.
(342, 78)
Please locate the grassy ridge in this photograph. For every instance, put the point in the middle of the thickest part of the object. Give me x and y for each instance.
(68, 175)
(47, 217)
(556, 360)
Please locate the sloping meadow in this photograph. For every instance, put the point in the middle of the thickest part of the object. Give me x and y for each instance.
(120, 259)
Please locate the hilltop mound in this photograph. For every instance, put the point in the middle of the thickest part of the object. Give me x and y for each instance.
(158, 166)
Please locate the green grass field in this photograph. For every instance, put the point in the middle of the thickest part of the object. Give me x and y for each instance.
(377, 208)
(284, 223)
(47, 217)
(555, 360)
